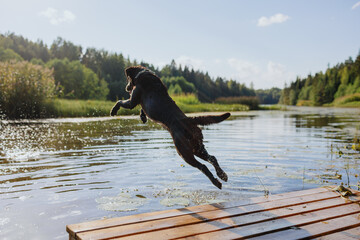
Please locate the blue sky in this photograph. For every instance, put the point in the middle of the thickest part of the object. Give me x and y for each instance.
(265, 42)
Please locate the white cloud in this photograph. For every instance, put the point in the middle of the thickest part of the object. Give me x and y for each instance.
(277, 18)
(275, 69)
(244, 69)
(265, 75)
(56, 18)
(355, 5)
(277, 74)
(270, 75)
(190, 62)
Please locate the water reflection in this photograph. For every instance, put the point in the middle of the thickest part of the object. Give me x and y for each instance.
(72, 170)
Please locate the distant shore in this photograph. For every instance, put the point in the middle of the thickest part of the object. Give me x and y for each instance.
(64, 108)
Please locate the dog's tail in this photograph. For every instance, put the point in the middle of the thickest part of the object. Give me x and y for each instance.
(207, 120)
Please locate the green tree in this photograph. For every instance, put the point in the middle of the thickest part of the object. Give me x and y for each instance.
(113, 71)
(340, 80)
(77, 81)
(25, 48)
(182, 86)
(357, 84)
(94, 59)
(93, 88)
(175, 89)
(110, 67)
(9, 54)
(268, 96)
(285, 96)
(64, 49)
(305, 93)
(292, 97)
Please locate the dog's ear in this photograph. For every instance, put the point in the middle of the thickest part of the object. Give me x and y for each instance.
(131, 72)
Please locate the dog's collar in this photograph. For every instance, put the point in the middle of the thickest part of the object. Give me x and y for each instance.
(144, 71)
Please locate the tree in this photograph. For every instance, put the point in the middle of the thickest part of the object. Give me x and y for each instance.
(9, 54)
(25, 48)
(93, 59)
(179, 84)
(110, 67)
(175, 89)
(269, 96)
(338, 81)
(64, 49)
(113, 71)
(77, 81)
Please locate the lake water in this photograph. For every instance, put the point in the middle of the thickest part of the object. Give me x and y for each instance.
(61, 171)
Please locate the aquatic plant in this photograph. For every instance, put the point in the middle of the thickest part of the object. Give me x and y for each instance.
(24, 89)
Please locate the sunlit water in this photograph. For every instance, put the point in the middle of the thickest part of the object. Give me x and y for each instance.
(59, 172)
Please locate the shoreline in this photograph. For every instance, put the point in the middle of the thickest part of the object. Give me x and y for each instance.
(289, 109)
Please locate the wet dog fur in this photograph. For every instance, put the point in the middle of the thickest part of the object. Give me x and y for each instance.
(148, 90)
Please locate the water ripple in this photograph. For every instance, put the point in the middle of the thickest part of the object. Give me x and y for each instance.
(68, 171)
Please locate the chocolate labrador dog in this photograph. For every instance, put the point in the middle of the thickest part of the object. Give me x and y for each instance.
(147, 89)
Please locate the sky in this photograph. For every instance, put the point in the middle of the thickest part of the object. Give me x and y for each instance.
(267, 43)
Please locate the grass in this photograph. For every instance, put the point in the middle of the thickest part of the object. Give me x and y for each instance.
(352, 100)
(97, 108)
(85, 108)
(273, 107)
(186, 99)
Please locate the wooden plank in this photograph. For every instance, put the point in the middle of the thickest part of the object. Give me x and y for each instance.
(205, 216)
(349, 234)
(238, 221)
(296, 221)
(319, 229)
(73, 229)
(204, 222)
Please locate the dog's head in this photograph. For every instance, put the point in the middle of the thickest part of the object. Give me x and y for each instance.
(131, 73)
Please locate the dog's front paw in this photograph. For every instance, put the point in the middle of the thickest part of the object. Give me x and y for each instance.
(115, 109)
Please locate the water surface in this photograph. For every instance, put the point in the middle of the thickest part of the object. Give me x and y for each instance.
(56, 172)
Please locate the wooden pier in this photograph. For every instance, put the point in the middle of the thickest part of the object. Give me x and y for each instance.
(321, 213)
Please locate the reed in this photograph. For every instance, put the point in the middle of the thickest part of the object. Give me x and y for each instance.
(24, 89)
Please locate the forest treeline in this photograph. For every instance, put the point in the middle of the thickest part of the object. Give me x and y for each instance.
(99, 74)
(338, 84)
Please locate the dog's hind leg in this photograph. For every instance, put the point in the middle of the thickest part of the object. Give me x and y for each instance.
(186, 153)
(203, 154)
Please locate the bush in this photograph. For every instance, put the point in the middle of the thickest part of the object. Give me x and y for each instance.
(302, 103)
(352, 100)
(9, 54)
(24, 89)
